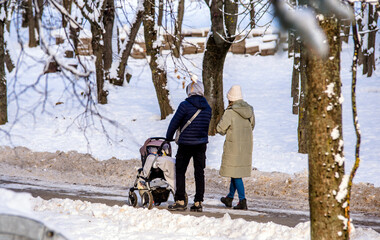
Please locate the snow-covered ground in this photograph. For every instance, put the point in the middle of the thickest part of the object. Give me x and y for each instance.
(83, 220)
(266, 86)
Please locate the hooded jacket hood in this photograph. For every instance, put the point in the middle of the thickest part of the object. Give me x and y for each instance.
(198, 101)
(243, 109)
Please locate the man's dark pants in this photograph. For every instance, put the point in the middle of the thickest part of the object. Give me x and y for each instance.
(184, 154)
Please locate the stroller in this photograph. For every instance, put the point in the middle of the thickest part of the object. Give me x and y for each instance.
(156, 179)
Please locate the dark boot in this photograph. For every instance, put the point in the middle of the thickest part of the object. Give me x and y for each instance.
(242, 205)
(197, 207)
(227, 201)
(178, 206)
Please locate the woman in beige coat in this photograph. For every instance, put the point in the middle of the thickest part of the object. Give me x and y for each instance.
(237, 124)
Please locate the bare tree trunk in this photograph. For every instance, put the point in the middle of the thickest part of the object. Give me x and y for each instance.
(152, 50)
(67, 5)
(215, 54)
(97, 45)
(355, 120)
(252, 15)
(361, 28)
(108, 22)
(160, 12)
(296, 76)
(369, 54)
(31, 25)
(326, 167)
(178, 29)
(97, 48)
(3, 79)
(291, 36)
(127, 48)
(37, 18)
(302, 114)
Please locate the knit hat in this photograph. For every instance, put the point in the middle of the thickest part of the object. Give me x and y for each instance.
(195, 88)
(234, 93)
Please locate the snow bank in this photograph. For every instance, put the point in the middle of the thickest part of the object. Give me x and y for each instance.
(84, 220)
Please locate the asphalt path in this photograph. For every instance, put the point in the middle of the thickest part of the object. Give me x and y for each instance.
(116, 195)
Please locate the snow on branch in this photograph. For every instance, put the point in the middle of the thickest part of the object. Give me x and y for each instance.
(60, 8)
(303, 20)
(51, 53)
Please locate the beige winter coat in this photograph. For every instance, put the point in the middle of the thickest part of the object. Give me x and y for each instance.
(237, 122)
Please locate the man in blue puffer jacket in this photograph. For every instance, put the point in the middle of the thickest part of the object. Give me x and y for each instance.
(191, 143)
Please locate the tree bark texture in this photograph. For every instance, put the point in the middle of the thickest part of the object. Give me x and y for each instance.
(97, 48)
(296, 76)
(160, 12)
(369, 53)
(354, 69)
(3, 80)
(222, 34)
(158, 72)
(67, 5)
(252, 15)
(361, 29)
(31, 25)
(178, 29)
(108, 22)
(127, 48)
(302, 114)
(325, 143)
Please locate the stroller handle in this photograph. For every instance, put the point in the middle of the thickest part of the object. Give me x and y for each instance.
(162, 138)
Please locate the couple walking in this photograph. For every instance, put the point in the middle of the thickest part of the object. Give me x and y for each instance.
(193, 118)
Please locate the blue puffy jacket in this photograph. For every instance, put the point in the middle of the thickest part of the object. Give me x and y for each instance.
(197, 131)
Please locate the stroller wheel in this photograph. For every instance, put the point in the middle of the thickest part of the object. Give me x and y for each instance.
(132, 199)
(147, 200)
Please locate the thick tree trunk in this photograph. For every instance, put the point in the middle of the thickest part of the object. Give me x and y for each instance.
(213, 64)
(97, 48)
(108, 21)
(223, 24)
(127, 48)
(31, 25)
(326, 167)
(178, 29)
(3, 80)
(152, 50)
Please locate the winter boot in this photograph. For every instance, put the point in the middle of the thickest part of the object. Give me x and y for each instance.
(227, 201)
(197, 207)
(179, 205)
(242, 205)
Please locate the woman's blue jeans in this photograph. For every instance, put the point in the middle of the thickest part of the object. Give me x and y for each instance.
(236, 184)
